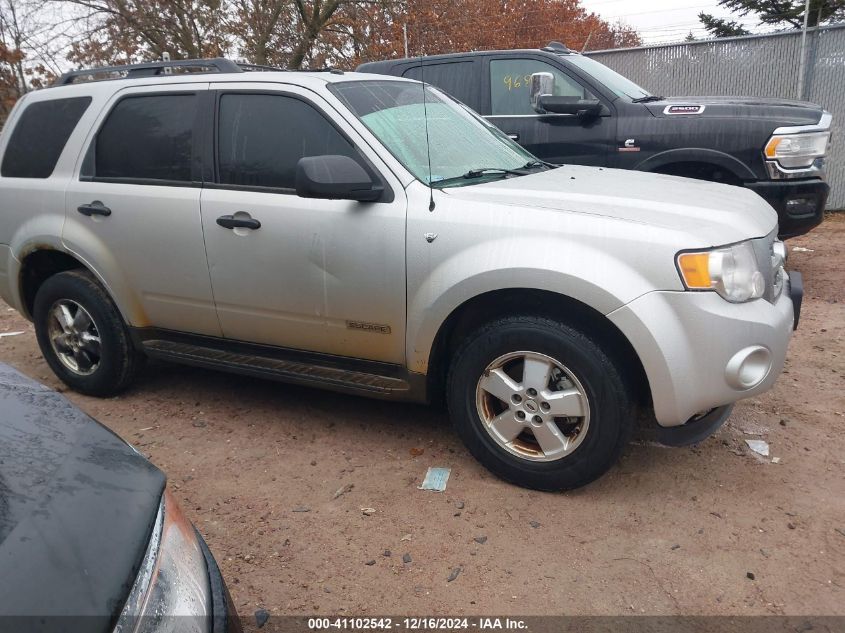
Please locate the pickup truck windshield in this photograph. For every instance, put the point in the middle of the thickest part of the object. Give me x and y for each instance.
(622, 86)
(464, 148)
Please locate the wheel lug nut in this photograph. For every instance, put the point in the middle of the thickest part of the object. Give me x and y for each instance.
(516, 398)
(538, 419)
(532, 392)
(545, 406)
(520, 415)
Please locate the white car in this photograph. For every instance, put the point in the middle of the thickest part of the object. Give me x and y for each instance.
(371, 235)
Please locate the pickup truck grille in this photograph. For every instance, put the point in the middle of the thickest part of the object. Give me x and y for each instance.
(771, 264)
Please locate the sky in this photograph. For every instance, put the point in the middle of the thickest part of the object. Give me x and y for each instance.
(661, 21)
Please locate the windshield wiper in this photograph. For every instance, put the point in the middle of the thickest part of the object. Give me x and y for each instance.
(492, 171)
(647, 99)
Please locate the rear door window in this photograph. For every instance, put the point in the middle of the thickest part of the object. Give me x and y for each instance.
(458, 79)
(40, 136)
(510, 85)
(261, 138)
(147, 137)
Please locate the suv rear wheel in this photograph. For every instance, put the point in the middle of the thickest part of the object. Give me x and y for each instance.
(539, 403)
(82, 335)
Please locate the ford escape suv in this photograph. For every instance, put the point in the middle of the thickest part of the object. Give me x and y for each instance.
(371, 235)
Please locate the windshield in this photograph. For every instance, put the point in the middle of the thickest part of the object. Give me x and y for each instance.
(622, 86)
(461, 143)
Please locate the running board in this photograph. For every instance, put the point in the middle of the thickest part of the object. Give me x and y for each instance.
(335, 378)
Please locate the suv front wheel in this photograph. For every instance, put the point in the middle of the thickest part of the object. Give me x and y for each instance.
(82, 335)
(539, 403)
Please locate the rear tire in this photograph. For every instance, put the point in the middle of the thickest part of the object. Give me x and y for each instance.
(561, 413)
(82, 335)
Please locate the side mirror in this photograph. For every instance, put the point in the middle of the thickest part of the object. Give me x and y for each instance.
(334, 177)
(541, 84)
(544, 101)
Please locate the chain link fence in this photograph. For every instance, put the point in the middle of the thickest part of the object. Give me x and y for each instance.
(754, 65)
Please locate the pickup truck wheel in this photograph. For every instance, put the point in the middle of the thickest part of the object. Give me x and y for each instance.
(82, 335)
(539, 403)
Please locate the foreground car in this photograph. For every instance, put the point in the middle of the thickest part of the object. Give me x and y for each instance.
(371, 235)
(90, 540)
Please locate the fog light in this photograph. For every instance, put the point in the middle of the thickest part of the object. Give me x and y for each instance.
(748, 367)
(796, 207)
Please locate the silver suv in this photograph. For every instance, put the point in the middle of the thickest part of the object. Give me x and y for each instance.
(371, 235)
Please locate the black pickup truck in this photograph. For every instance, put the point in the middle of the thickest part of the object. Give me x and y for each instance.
(565, 107)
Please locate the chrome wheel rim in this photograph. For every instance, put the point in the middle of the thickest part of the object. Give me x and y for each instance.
(74, 337)
(533, 406)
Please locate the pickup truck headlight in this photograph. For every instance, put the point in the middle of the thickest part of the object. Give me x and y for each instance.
(797, 150)
(172, 581)
(732, 271)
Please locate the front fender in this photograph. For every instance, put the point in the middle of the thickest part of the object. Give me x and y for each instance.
(697, 155)
(592, 277)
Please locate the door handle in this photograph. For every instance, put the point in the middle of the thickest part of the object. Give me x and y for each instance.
(94, 208)
(513, 137)
(231, 222)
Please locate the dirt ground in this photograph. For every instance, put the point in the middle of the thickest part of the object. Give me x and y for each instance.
(667, 531)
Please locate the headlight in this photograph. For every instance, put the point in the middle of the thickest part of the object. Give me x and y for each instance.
(731, 271)
(172, 580)
(797, 150)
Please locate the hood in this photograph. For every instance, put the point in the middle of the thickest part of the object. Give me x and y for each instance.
(77, 507)
(709, 214)
(782, 112)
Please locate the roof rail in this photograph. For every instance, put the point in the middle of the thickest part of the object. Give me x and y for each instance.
(153, 69)
(247, 67)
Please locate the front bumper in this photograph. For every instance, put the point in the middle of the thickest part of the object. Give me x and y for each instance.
(799, 204)
(701, 352)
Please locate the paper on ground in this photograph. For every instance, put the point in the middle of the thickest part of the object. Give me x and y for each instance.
(436, 479)
(758, 446)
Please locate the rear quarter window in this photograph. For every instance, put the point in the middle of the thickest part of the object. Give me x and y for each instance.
(458, 79)
(40, 135)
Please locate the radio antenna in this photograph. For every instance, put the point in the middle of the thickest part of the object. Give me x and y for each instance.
(427, 139)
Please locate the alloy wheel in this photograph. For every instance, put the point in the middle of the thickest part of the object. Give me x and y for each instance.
(74, 337)
(533, 406)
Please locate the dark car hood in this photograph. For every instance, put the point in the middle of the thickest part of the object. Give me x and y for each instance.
(77, 506)
(784, 111)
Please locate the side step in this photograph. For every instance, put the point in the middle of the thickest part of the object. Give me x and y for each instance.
(299, 372)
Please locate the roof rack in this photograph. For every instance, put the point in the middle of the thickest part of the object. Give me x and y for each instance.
(164, 68)
(153, 69)
(247, 67)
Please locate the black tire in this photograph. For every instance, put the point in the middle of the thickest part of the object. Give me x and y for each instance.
(119, 361)
(612, 416)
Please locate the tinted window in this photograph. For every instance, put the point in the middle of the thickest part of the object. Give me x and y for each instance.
(262, 137)
(40, 136)
(510, 85)
(454, 78)
(147, 137)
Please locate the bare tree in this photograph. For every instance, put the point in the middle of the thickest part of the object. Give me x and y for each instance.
(132, 30)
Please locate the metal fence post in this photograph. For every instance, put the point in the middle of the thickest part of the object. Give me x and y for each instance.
(803, 53)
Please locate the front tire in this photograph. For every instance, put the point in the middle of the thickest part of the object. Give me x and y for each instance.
(539, 403)
(82, 335)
